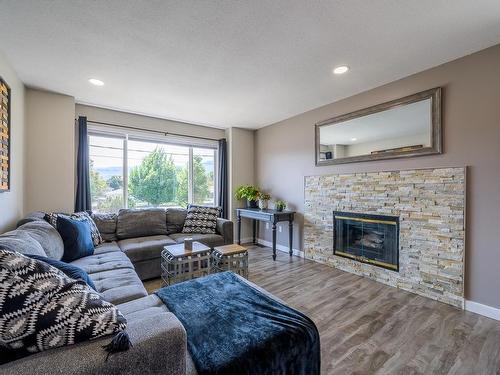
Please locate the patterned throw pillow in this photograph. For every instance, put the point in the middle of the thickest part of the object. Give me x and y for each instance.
(41, 308)
(201, 219)
(51, 217)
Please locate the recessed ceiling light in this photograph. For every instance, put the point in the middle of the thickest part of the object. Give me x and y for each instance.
(341, 69)
(354, 139)
(96, 82)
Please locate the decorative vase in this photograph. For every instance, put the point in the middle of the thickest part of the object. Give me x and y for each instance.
(252, 204)
(263, 204)
(279, 208)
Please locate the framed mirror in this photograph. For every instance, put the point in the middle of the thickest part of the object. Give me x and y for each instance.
(406, 127)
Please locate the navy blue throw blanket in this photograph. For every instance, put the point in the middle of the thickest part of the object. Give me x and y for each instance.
(233, 328)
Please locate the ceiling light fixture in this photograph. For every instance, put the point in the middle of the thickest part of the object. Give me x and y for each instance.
(341, 69)
(354, 139)
(96, 82)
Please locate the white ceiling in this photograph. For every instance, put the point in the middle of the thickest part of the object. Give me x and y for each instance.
(402, 121)
(234, 63)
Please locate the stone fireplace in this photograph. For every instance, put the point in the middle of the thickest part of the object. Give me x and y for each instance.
(372, 239)
(426, 207)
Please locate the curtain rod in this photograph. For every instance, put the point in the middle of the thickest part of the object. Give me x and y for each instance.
(152, 131)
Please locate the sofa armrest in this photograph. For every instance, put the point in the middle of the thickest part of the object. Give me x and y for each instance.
(225, 229)
(159, 347)
(32, 216)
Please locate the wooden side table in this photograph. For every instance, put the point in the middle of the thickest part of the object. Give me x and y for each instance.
(270, 216)
(230, 258)
(178, 264)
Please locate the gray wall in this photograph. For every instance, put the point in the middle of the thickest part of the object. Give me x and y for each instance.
(241, 172)
(146, 122)
(284, 154)
(50, 151)
(12, 202)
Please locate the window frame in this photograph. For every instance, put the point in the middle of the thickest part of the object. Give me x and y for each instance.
(190, 142)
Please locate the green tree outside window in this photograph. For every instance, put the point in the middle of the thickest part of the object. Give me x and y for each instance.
(98, 185)
(155, 180)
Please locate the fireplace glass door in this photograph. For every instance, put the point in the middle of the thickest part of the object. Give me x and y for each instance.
(367, 238)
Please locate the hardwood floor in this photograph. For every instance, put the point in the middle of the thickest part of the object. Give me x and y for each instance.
(370, 328)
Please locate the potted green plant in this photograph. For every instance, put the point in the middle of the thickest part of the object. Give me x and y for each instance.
(279, 205)
(249, 193)
(264, 200)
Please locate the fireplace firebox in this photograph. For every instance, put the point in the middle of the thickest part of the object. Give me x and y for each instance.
(367, 238)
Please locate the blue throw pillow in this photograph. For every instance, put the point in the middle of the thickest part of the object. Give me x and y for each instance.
(76, 237)
(70, 270)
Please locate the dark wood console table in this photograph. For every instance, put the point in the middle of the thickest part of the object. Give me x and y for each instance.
(269, 216)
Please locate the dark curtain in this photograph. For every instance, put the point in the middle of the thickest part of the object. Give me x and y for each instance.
(222, 183)
(82, 201)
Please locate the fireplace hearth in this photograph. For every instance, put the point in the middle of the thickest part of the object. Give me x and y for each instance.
(367, 238)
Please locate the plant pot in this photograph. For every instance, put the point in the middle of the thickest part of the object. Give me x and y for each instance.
(263, 204)
(252, 204)
(279, 209)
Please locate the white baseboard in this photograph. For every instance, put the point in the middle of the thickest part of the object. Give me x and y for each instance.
(244, 240)
(485, 310)
(279, 247)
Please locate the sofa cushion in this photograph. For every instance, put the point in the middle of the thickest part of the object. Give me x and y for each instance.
(211, 240)
(201, 219)
(68, 269)
(76, 236)
(143, 248)
(94, 231)
(119, 286)
(42, 308)
(103, 262)
(144, 306)
(175, 219)
(107, 247)
(47, 236)
(106, 223)
(52, 218)
(21, 242)
(141, 222)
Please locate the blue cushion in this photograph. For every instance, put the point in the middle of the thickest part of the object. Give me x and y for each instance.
(70, 270)
(76, 237)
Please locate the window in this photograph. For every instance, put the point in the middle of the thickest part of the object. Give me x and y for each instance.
(131, 171)
(203, 176)
(157, 174)
(106, 173)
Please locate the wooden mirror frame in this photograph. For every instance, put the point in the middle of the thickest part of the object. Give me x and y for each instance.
(436, 131)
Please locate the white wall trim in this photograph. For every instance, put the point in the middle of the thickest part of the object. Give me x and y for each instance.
(279, 247)
(485, 310)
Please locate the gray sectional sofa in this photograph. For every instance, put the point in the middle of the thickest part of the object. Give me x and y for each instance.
(135, 239)
(141, 235)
